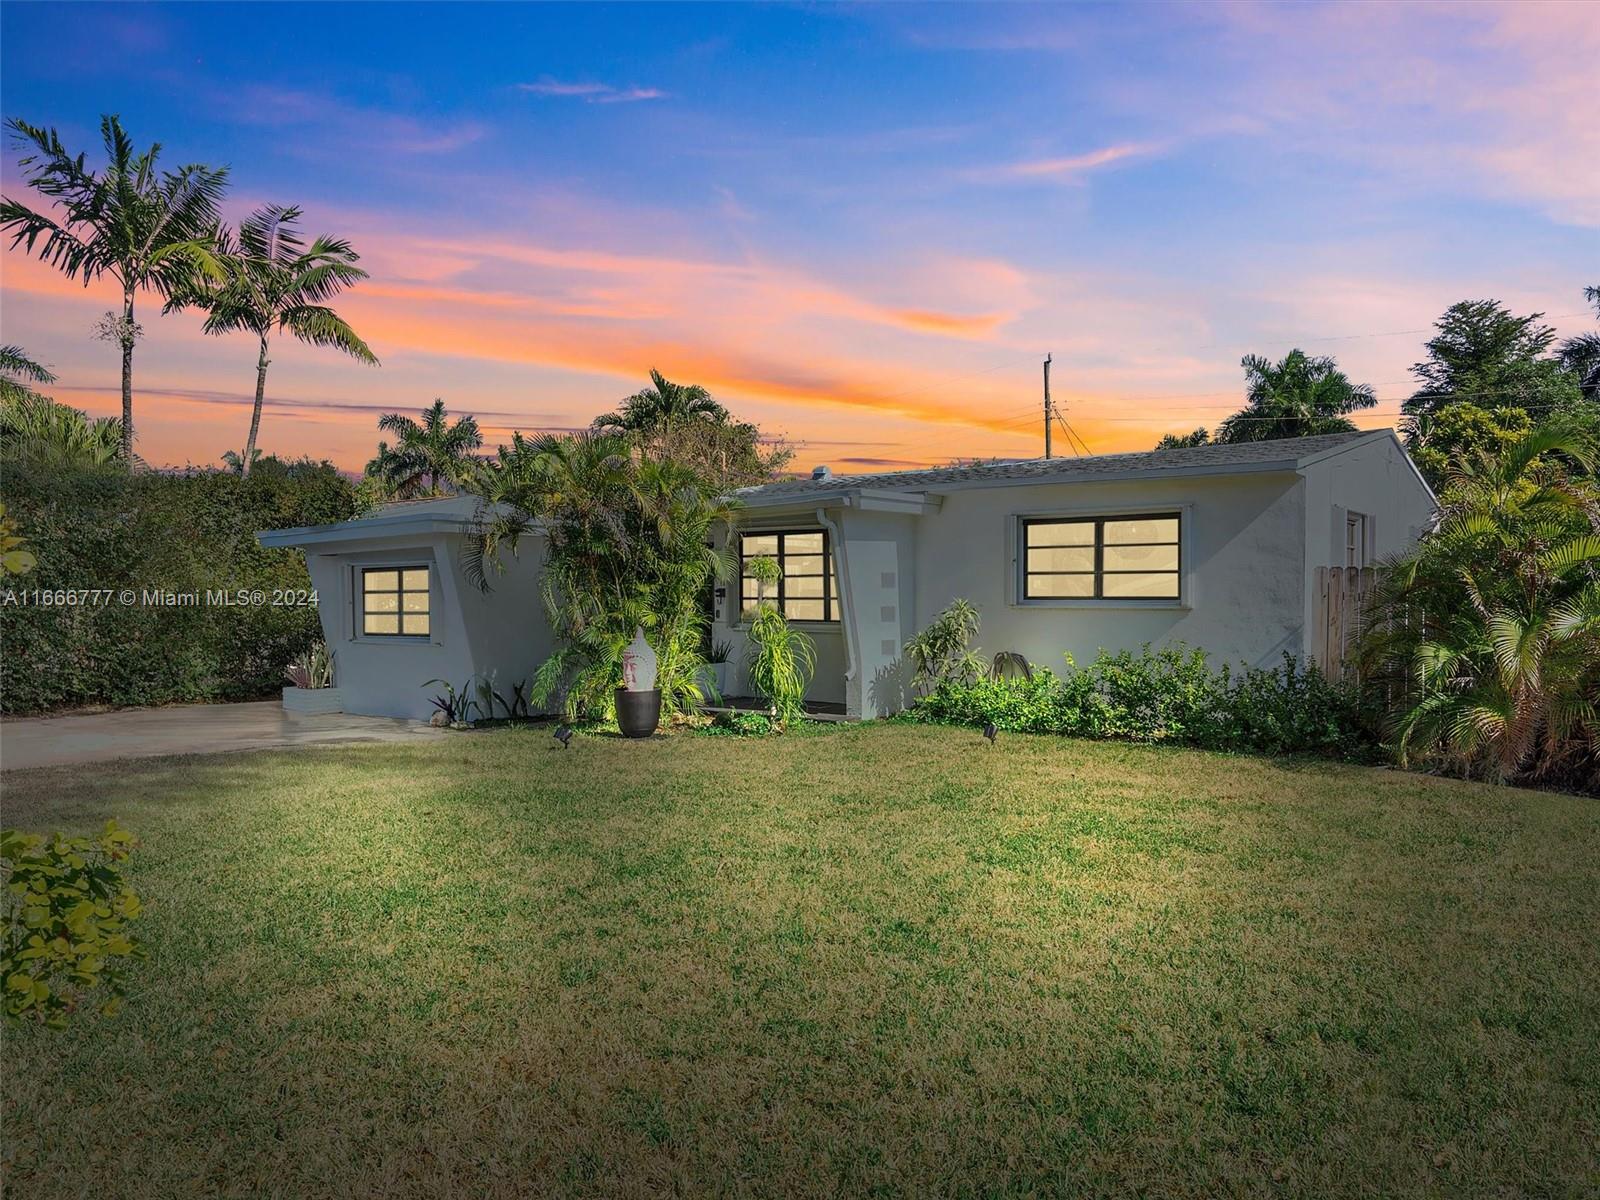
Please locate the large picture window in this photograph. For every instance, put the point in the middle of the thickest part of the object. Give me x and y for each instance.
(394, 602)
(807, 589)
(1101, 558)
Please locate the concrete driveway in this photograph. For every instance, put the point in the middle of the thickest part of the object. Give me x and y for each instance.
(187, 729)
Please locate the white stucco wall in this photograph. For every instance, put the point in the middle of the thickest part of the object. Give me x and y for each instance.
(1241, 593)
(501, 635)
(1373, 478)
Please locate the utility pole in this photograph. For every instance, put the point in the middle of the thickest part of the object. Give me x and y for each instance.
(1047, 405)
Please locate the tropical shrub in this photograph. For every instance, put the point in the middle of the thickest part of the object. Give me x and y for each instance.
(779, 662)
(65, 909)
(1171, 695)
(627, 546)
(1485, 638)
(943, 652)
(120, 535)
(35, 429)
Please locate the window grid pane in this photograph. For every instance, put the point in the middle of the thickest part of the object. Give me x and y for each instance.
(1102, 558)
(804, 557)
(395, 602)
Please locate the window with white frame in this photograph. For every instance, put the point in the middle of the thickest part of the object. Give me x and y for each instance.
(394, 601)
(1355, 539)
(1102, 558)
(806, 589)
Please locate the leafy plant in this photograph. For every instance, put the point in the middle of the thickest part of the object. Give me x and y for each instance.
(18, 374)
(780, 661)
(36, 429)
(182, 532)
(742, 724)
(943, 652)
(764, 569)
(1485, 638)
(681, 423)
(15, 557)
(721, 652)
(66, 909)
(626, 547)
(1299, 396)
(455, 703)
(1171, 695)
(313, 667)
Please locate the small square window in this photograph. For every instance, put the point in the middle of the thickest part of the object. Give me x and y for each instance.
(395, 602)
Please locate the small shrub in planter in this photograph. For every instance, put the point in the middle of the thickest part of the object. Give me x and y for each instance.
(311, 687)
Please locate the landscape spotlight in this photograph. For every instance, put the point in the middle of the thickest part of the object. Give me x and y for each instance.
(990, 731)
(563, 735)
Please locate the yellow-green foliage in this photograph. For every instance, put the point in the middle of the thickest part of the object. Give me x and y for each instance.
(66, 911)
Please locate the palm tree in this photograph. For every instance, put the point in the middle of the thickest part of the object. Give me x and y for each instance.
(272, 282)
(662, 404)
(627, 546)
(1581, 353)
(17, 371)
(239, 464)
(1298, 397)
(35, 429)
(149, 232)
(1489, 639)
(428, 456)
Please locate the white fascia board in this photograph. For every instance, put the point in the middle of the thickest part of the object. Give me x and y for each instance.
(363, 530)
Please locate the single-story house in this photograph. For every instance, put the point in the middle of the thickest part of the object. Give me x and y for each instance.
(398, 609)
(1213, 546)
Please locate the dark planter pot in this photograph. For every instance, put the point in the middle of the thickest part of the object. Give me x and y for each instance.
(638, 713)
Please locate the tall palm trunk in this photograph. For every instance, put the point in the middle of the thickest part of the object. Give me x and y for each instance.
(127, 373)
(255, 416)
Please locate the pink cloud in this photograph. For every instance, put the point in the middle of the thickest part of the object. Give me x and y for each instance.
(591, 92)
(1070, 167)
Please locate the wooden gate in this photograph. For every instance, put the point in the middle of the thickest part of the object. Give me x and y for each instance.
(1342, 594)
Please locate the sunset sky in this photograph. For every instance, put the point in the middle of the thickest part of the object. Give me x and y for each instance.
(860, 227)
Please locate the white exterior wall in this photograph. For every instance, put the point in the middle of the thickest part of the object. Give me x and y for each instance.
(1374, 478)
(501, 635)
(1250, 543)
(1241, 556)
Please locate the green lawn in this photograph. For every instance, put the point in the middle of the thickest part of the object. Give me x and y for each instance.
(881, 960)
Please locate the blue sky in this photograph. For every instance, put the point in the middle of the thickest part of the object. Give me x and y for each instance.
(860, 226)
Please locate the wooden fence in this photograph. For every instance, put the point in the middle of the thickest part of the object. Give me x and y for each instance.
(1342, 594)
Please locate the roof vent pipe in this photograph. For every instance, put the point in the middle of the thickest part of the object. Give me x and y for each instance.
(823, 472)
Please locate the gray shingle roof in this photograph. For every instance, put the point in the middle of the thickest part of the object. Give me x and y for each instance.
(1247, 456)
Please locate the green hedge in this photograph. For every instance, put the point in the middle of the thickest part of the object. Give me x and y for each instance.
(112, 529)
(1171, 695)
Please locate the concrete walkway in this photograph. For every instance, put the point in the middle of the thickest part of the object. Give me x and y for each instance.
(187, 729)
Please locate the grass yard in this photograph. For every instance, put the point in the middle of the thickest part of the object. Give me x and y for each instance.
(882, 960)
